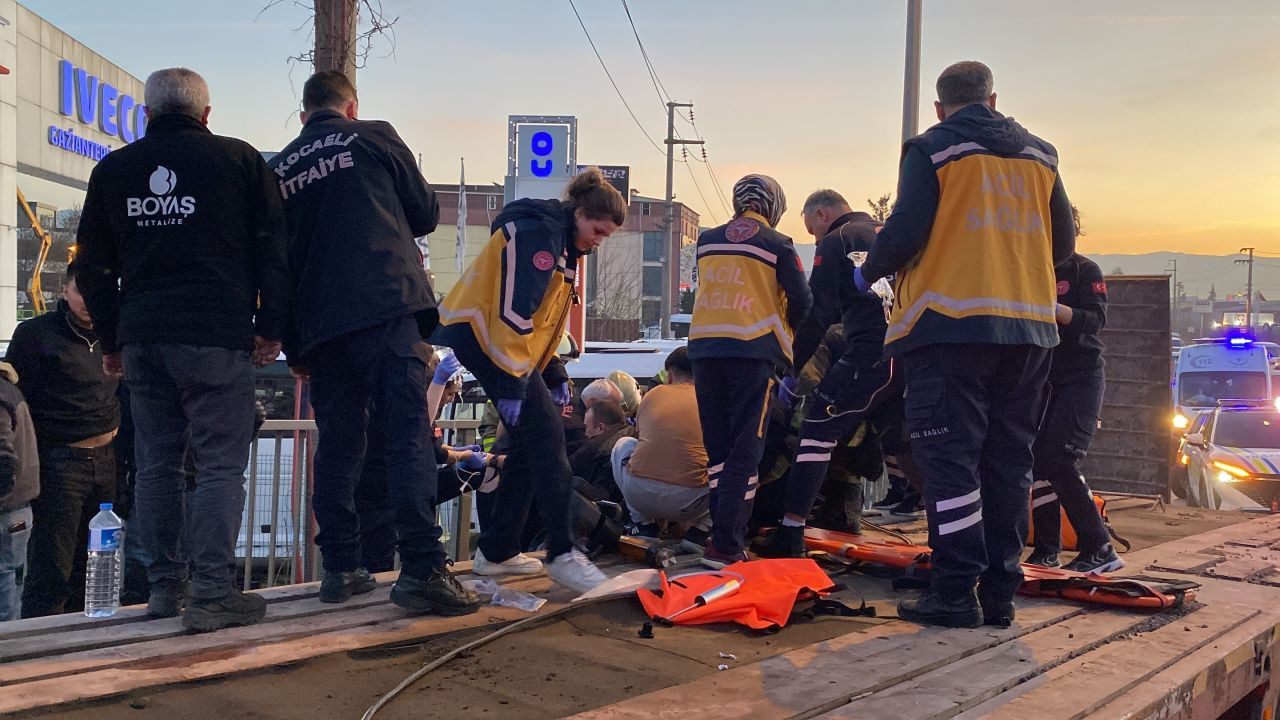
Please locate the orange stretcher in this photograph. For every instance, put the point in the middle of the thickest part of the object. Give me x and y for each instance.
(1132, 591)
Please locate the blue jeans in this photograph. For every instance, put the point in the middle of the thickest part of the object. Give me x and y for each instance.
(207, 391)
(15, 529)
(384, 368)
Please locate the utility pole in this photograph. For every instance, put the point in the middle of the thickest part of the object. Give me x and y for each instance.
(335, 31)
(1173, 295)
(911, 82)
(672, 246)
(1248, 301)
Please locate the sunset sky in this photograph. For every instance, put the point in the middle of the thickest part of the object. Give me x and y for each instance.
(1164, 113)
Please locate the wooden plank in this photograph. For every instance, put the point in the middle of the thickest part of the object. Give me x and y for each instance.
(75, 622)
(1241, 569)
(1084, 685)
(155, 650)
(75, 632)
(215, 662)
(827, 675)
(1193, 563)
(1207, 682)
(24, 648)
(957, 687)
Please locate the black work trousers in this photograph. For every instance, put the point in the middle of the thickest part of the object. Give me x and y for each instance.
(972, 414)
(1065, 434)
(733, 402)
(537, 468)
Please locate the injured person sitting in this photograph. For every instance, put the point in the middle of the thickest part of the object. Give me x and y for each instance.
(663, 473)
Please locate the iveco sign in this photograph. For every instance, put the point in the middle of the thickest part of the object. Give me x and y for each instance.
(95, 103)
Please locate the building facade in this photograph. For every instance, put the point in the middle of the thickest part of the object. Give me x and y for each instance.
(62, 108)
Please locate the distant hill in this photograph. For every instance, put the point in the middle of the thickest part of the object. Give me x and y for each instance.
(1198, 273)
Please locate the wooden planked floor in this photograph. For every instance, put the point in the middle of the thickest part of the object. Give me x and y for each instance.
(128, 651)
(1060, 660)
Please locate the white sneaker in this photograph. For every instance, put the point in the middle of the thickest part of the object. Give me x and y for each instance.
(520, 564)
(575, 571)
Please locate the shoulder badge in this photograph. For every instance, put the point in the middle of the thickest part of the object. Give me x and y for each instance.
(1063, 287)
(1100, 288)
(740, 230)
(543, 260)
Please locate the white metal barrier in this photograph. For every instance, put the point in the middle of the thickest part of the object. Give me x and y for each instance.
(276, 545)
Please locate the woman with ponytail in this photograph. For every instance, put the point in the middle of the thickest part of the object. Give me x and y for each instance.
(504, 319)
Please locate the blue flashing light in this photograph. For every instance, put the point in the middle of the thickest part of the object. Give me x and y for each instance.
(1239, 339)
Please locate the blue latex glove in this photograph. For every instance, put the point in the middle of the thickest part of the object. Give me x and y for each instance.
(859, 281)
(475, 462)
(448, 367)
(561, 396)
(509, 411)
(787, 392)
(472, 448)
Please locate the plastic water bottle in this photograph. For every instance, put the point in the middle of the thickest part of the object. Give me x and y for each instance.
(103, 570)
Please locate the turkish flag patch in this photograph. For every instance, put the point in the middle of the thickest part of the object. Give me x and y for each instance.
(1063, 287)
(1100, 288)
(799, 265)
(817, 260)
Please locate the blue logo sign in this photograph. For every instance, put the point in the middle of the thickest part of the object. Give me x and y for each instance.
(92, 102)
(542, 145)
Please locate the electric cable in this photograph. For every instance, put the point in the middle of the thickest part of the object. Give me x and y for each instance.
(612, 82)
(501, 632)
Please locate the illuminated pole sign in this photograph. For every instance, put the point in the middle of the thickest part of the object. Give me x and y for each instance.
(541, 155)
(90, 101)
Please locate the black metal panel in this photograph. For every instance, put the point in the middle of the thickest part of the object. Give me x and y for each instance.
(1132, 451)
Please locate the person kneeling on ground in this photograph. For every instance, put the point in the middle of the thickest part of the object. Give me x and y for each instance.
(663, 473)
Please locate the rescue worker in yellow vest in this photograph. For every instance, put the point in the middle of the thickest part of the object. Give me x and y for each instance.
(504, 320)
(980, 222)
(751, 296)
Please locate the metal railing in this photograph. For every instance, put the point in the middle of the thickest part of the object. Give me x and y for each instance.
(276, 545)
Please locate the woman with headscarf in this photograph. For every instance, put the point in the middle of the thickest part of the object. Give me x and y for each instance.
(751, 295)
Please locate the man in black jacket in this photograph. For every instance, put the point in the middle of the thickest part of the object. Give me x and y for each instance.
(856, 386)
(182, 252)
(19, 485)
(355, 201)
(58, 358)
(1075, 401)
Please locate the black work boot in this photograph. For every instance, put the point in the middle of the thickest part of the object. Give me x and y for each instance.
(338, 587)
(934, 608)
(1044, 558)
(784, 542)
(438, 593)
(168, 597)
(234, 608)
(996, 610)
(1102, 560)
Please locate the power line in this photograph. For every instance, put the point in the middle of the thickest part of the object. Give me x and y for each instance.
(612, 82)
(706, 204)
(663, 98)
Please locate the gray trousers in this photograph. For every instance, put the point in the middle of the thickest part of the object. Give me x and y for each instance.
(208, 390)
(654, 500)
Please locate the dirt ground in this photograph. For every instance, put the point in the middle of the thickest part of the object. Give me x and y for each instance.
(590, 658)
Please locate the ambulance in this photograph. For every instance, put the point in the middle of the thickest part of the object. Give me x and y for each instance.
(1234, 367)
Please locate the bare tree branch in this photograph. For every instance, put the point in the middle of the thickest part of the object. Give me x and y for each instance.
(378, 27)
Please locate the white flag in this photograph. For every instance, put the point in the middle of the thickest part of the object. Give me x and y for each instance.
(460, 249)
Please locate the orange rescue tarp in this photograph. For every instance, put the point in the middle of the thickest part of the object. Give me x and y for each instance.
(769, 591)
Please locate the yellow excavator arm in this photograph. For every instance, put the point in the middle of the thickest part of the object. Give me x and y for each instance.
(35, 288)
